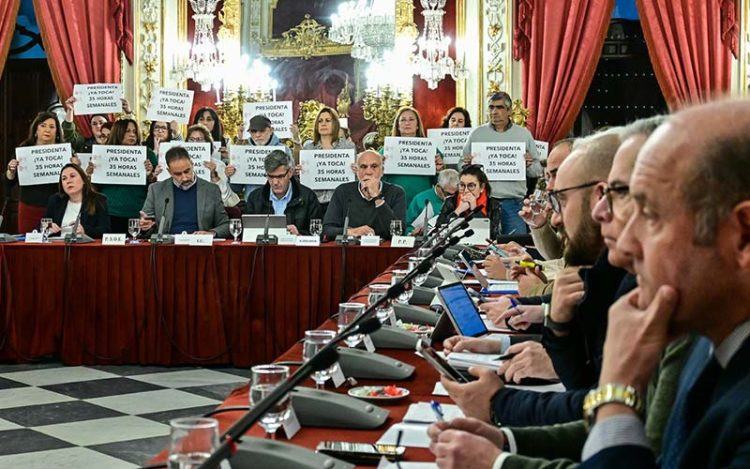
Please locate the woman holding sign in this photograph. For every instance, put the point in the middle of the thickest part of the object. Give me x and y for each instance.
(326, 136)
(208, 118)
(126, 201)
(473, 191)
(408, 123)
(32, 200)
(76, 197)
(159, 132)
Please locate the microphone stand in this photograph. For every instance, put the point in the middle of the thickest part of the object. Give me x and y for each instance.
(326, 357)
(160, 238)
(265, 238)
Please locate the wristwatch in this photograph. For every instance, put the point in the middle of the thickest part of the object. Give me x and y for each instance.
(551, 324)
(608, 394)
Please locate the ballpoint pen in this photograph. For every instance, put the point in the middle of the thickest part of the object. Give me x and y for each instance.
(437, 409)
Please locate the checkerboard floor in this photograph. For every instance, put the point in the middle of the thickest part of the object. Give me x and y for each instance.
(59, 416)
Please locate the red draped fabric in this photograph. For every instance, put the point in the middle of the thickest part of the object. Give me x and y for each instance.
(691, 45)
(8, 14)
(560, 44)
(124, 27)
(81, 38)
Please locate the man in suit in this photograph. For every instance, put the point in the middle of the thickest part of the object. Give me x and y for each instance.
(192, 204)
(690, 239)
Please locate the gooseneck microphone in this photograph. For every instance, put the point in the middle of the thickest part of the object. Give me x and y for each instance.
(265, 238)
(160, 238)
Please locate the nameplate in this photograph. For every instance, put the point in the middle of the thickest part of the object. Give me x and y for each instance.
(369, 241)
(291, 425)
(403, 241)
(369, 344)
(337, 376)
(113, 239)
(183, 239)
(34, 238)
(202, 240)
(288, 240)
(308, 241)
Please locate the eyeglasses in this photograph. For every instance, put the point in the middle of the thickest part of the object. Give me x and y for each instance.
(554, 196)
(502, 107)
(622, 193)
(161, 127)
(277, 177)
(462, 187)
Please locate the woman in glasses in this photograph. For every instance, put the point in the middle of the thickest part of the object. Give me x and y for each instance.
(473, 191)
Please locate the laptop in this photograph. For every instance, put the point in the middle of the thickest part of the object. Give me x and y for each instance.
(254, 225)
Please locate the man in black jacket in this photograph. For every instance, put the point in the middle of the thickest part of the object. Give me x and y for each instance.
(283, 194)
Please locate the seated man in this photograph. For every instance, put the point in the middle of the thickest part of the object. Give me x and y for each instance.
(192, 205)
(447, 185)
(369, 202)
(284, 195)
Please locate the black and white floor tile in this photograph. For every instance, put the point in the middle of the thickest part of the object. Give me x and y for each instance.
(101, 416)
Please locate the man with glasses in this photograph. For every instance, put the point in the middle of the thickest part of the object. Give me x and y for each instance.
(446, 187)
(369, 203)
(501, 129)
(284, 195)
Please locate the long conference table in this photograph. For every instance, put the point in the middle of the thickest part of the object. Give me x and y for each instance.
(420, 386)
(173, 305)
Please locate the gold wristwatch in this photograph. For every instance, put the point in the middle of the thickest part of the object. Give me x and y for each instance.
(607, 394)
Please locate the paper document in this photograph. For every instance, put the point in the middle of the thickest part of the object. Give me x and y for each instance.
(414, 435)
(421, 412)
(491, 327)
(557, 387)
(467, 359)
(439, 390)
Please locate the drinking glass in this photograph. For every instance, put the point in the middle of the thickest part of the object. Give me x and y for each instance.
(424, 253)
(397, 276)
(265, 378)
(538, 201)
(235, 229)
(316, 226)
(192, 440)
(348, 312)
(397, 228)
(377, 291)
(44, 226)
(134, 229)
(314, 342)
(421, 278)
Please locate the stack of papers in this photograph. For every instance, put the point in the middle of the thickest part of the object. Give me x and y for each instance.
(421, 412)
(463, 360)
(414, 435)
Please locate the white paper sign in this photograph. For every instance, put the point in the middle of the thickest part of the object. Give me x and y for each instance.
(198, 151)
(248, 159)
(278, 112)
(169, 105)
(409, 155)
(326, 169)
(41, 164)
(450, 142)
(337, 376)
(113, 239)
(501, 161)
(308, 241)
(402, 241)
(84, 158)
(97, 98)
(369, 240)
(119, 164)
(542, 148)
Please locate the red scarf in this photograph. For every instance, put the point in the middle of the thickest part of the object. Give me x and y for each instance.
(481, 201)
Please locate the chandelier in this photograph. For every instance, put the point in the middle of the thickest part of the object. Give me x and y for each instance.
(368, 25)
(432, 63)
(202, 62)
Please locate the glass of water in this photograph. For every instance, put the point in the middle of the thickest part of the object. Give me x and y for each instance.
(314, 342)
(397, 228)
(235, 229)
(316, 227)
(397, 276)
(348, 312)
(45, 224)
(377, 291)
(192, 440)
(134, 229)
(538, 201)
(265, 379)
(421, 278)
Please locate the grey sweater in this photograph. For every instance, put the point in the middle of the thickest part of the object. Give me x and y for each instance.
(515, 133)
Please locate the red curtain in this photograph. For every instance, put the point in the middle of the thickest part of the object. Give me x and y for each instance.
(691, 45)
(82, 40)
(8, 14)
(560, 44)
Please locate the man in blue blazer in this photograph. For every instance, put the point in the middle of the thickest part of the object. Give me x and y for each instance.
(690, 240)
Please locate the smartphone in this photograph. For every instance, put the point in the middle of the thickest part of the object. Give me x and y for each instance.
(466, 259)
(441, 365)
(360, 453)
(497, 250)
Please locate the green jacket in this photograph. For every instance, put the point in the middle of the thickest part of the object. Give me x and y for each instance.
(418, 204)
(127, 201)
(560, 446)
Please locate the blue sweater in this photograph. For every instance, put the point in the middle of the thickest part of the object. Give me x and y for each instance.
(185, 216)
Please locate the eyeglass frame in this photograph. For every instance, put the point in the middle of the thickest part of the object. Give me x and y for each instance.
(278, 177)
(554, 201)
(622, 190)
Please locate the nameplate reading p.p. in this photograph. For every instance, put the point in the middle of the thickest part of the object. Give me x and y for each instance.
(402, 241)
(308, 241)
(369, 241)
(113, 239)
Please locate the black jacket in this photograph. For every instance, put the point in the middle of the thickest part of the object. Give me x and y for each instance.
(446, 214)
(94, 225)
(302, 208)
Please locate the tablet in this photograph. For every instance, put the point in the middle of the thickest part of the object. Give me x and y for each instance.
(461, 310)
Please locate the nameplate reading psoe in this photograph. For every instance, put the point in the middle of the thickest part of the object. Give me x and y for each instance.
(369, 241)
(113, 239)
(403, 241)
(308, 241)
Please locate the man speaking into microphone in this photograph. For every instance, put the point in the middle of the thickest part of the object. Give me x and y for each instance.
(369, 203)
(184, 203)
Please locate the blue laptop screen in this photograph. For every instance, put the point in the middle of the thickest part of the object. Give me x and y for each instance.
(462, 310)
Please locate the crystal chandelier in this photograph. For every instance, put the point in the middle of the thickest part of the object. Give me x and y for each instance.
(432, 62)
(203, 61)
(368, 25)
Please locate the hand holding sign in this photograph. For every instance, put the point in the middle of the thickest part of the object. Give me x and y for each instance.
(410, 155)
(170, 104)
(501, 161)
(325, 169)
(97, 98)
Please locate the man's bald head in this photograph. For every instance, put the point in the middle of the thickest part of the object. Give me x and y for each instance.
(591, 161)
